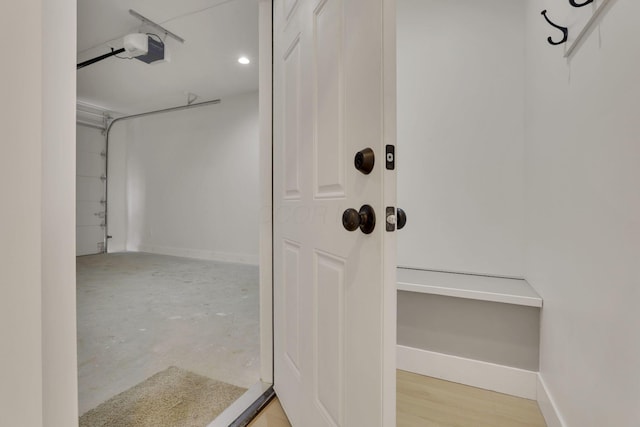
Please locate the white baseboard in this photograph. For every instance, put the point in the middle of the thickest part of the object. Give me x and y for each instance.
(489, 376)
(547, 405)
(199, 254)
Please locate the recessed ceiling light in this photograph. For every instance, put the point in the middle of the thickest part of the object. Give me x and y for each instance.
(243, 60)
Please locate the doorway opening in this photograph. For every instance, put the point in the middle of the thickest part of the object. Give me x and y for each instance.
(465, 313)
(169, 207)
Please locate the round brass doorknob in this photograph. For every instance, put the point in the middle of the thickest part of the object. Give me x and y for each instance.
(365, 219)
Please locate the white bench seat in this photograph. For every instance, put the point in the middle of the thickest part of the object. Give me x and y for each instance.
(483, 288)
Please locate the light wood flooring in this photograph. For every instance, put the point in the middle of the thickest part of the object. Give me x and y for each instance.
(429, 402)
(271, 416)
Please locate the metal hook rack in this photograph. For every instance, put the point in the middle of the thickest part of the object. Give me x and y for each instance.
(575, 4)
(565, 30)
(597, 14)
(589, 25)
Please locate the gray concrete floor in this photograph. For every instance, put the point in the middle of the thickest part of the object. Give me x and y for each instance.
(140, 313)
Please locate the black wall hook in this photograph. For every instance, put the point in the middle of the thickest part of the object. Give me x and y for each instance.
(574, 4)
(565, 31)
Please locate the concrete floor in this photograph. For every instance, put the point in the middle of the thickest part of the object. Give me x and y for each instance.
(140, 313)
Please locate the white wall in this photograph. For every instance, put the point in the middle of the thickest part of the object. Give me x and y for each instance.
(37, 238)
(20, 218)
(191, 186)
(461, 135)
(583, 213)
(503, 334)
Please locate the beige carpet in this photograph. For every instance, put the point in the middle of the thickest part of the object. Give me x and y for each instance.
(171, 398)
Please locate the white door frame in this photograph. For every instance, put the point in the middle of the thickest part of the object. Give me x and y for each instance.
(56, 353)
(265, 113)
(265, 136)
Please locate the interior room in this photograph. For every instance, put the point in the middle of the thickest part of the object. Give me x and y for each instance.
(465, 312)
(517, 164)
(517, 169)
(167, 204)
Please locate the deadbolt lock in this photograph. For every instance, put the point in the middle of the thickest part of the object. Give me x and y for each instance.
(364, 161)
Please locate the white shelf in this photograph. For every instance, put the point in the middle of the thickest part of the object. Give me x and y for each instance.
(484, 288)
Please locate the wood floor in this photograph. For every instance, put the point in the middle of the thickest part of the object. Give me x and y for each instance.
(271, 416)
(429, 402)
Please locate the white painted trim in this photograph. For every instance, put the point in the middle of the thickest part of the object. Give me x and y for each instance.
(232, 412)
(199, 254)
(489, 376)
(265, 103)
(548, 406)
(390, 195)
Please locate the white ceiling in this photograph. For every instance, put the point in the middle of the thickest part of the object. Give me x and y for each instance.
(216, 33)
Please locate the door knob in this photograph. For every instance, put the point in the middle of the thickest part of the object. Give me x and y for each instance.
(364, 161)
(365, 219)
(401, 218)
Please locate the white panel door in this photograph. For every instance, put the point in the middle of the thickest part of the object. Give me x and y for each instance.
(90, 190)
(334, 290)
